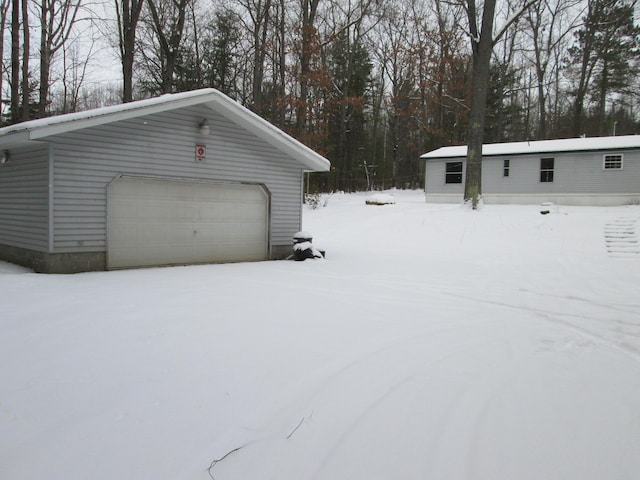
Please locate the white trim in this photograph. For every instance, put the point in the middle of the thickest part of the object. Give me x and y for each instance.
(444, 197)
(51, 199)
(577, 199)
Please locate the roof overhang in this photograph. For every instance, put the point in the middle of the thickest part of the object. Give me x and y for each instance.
(38, 130)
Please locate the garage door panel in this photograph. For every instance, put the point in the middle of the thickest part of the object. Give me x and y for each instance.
(162, 222)
(123, 208)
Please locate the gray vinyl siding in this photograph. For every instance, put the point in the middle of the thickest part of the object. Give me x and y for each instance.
(24, 194)
(435, 177)
(163, 145)
(580, 172)
(574, 173)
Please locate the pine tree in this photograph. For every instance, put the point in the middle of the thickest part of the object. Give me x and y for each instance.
(604, 53)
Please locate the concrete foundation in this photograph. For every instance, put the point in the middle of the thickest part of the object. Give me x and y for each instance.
(42, 262)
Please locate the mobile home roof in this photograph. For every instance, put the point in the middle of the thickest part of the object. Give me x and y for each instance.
(542, 146)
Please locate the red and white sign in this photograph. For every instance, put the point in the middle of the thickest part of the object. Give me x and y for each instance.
(201, 152)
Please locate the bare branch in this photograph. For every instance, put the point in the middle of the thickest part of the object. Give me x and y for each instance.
(514, 17)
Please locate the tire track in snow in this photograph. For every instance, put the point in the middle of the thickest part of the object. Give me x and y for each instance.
(554, 316)
(550, 316)
(633, 308)
(339, 390)
(387, 390)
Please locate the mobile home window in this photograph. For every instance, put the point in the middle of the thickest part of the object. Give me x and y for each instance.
(505, 168)
(453, 172)
(612, 162)
(546, 170)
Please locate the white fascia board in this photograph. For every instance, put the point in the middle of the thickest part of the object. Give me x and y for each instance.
(14, 140)
(115, 113)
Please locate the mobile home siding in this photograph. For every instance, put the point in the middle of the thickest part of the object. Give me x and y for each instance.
(579, 177)
(24, 198)
(163, 145)
(573, 173)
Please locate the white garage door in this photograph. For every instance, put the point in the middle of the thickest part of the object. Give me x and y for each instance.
(165, 222)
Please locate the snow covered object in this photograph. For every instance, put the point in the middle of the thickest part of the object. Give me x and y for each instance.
(380, 199)
(303, 247)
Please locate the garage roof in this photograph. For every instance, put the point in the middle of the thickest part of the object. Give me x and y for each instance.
(25, 132)
(582, 144)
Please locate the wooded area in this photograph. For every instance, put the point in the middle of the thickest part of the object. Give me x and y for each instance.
(369, 84)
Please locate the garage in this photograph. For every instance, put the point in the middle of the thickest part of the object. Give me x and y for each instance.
(153, 222)
(183, 178)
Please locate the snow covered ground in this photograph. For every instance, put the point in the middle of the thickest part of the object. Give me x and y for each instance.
(434, 342)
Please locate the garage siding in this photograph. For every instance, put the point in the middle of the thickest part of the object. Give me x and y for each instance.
(24, 204)
(163, 145)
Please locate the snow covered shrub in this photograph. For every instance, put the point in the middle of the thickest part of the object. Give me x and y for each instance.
(316, 200)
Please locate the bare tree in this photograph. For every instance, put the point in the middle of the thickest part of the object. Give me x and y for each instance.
(260, 12)
(4, 12)
(398, 66)
(483, 40)
(308, 43)
(168, 17)
(548, 30)
(74, 74)
(57, 19)
(447, 81)
(128, 14)
(15, 61)
(280, 65)
(26, 35)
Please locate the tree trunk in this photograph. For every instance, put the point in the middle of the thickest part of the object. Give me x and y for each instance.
(169, 39)
(15, 61)
(585, 69)
(128, 15)
(482, 46)
(57, 18)
(25, 60)
(261, 28)
(309, 8)
(581, 93)
(3, 20)
(45, 58)
(540, 67)
(282, 68)
(602, 104)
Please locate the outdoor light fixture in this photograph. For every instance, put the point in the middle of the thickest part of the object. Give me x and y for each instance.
(5, 157)
(205, 129)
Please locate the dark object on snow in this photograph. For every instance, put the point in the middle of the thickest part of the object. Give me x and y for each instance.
(303, 247)
(546, 208)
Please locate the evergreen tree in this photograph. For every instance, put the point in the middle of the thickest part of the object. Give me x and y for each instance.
(350, 68)
(605, 55)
